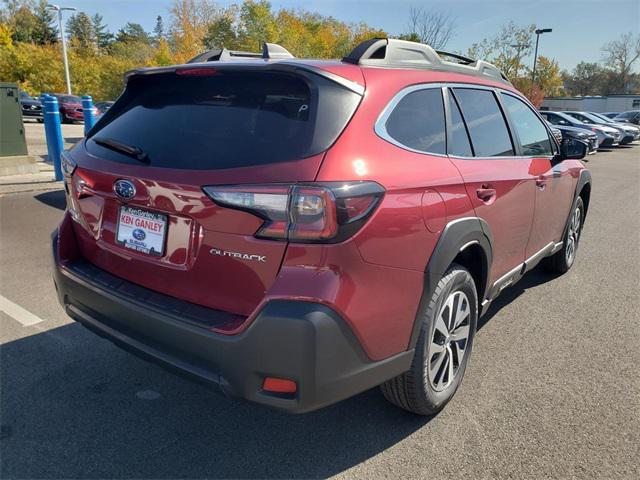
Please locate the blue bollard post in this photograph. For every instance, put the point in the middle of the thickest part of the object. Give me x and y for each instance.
(87, 111)
(53, 133)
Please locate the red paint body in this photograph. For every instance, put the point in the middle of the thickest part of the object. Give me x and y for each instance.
(374, 279)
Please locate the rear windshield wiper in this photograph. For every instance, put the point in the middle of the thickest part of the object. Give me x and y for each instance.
(129, 150)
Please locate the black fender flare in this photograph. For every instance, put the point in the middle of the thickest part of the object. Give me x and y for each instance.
(456, 236)
(584, 179)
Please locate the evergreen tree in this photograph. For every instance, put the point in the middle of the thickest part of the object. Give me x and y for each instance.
(104, 37)
(45, 31)
(133, 33)
(80, 30)
(158, 30)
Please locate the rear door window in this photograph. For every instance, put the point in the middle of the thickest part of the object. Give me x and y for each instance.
(224, 119)
(532, 134)
(417, 121)
(487, 128)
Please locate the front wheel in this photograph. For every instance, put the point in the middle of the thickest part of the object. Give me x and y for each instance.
(443, 349)
(563, 259)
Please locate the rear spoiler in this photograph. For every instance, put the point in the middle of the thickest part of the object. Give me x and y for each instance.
(250, 65)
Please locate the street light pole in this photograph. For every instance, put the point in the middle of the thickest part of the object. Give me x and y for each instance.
(538, 32)
(64, 42)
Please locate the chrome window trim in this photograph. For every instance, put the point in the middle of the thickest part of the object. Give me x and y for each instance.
(381, 130)
(380, 127)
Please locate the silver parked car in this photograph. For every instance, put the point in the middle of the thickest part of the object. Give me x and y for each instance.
(607, 136)
(627, 133)
(629, 127)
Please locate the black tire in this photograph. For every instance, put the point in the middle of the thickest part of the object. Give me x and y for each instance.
(561, 261)
(414, 390)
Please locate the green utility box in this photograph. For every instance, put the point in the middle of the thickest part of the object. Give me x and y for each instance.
(12, 140)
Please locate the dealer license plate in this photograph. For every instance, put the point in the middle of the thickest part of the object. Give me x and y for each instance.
(141, 230)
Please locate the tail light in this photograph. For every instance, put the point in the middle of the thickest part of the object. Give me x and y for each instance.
(309, 213)
(68, 166)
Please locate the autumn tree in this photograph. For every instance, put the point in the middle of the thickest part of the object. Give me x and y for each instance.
(189, 24)
(30, 21)
(548, 78)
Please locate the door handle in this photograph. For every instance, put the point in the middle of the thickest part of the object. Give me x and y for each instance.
(541, 182)
(487, 195)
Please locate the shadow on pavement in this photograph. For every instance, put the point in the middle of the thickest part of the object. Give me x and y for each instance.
(53, 199)
(75, 406)
(535, 277)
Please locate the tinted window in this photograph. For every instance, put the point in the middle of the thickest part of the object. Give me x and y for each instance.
(580, 117)
(555, 119)
(69, 99)
(417, 121)
(460, 144)
(230, 119)
(488, 130)
(532, 134)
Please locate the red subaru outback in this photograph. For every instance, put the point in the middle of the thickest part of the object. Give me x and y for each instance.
(295, 232)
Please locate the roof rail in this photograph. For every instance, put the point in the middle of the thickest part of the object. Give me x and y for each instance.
(269, 51)
(390, 52)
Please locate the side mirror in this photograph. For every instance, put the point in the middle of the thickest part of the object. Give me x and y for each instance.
(571, 149)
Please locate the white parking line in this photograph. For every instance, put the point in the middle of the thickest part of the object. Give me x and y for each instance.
(18, 313)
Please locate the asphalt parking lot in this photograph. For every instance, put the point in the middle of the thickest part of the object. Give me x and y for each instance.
(552, 390)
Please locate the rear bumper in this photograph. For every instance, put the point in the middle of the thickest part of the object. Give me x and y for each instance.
(302, 341)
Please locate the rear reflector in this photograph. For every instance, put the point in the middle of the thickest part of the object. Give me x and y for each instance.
(320, 212)
(279, 385)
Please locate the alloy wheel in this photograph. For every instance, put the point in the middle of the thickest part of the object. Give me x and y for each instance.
(449, 341)
(573, 235)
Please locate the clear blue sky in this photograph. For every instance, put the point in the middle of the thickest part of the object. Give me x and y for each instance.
(580, 27)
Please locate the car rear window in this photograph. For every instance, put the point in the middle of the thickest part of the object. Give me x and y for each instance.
(418, 122)
(225, 119)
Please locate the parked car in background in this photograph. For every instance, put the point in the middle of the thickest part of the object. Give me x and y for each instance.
(102, 107)
(70, 108)
(632, 116)
(281, 256)
(557, 134)
(628, 127)
(611, 114)
(581, 134)
(627, 132)
(607, 136)
(31, 107)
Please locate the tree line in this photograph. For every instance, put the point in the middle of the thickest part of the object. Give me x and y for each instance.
(30, 53)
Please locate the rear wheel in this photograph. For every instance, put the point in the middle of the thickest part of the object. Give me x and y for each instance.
(563, 259)
(443, 348)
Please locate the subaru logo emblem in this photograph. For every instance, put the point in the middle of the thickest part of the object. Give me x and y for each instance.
(124, 189)
(139, 234)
